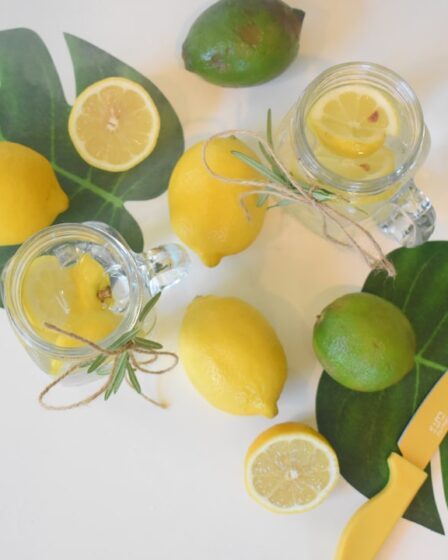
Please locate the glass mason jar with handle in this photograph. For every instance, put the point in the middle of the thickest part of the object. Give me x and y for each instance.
(388, 200)
(134, 279)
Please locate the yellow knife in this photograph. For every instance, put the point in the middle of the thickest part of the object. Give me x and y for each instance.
(370, 526)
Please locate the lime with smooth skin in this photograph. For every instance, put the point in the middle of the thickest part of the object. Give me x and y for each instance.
(364, 342)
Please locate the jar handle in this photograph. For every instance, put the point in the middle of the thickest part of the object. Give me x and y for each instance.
(409, 218)
(164, 266)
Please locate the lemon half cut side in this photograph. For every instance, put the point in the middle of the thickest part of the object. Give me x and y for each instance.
(114, 124)
(290, 468)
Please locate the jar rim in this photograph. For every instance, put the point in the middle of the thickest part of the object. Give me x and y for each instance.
(389, 80)
(35, 246)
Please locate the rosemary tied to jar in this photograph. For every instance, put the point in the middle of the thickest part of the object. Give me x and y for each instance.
(285, 188)
(123, 359)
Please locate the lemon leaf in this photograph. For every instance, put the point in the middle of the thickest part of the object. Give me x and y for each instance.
(364, 427)
(34, 112)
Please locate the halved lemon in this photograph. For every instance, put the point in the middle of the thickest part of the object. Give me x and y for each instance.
(374, 166)
(114, 124)
(354, 120)
(290, 468)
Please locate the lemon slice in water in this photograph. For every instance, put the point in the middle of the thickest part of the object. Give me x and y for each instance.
(354, 120)
(47, 294)
(374, 166)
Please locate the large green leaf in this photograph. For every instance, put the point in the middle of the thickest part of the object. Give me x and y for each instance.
(34, 112)
(364, 427)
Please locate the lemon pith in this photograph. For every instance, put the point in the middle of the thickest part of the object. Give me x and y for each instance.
(207, 214)
(232, 356)
(290, 468)
(114, 124)
(354, 120)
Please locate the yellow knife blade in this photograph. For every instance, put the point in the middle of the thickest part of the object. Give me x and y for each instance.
(428, 427)
(370, 526)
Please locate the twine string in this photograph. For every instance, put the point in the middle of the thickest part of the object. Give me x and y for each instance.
(296, 192)
(113, 355)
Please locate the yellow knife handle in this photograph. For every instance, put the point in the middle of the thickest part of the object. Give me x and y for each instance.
(370, 526)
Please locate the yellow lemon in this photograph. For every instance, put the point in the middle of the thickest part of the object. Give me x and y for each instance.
(114, 124)
(206, 213)
(93, 324)
(74, 298)
(92, 284)
(30, 195)
(290, 468)
(353, 120)
(232, 356)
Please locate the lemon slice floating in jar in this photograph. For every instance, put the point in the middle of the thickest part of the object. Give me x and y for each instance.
(75, 298)
(354, 120)
(47, 295)
(114, 124)
(374, 166)
(290, 468)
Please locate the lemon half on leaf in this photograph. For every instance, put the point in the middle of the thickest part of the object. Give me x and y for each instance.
(114, 124)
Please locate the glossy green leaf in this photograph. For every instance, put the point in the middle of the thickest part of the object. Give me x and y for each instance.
(364, 427)
(34, 112)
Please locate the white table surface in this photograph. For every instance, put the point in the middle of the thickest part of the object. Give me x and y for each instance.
(127, 481)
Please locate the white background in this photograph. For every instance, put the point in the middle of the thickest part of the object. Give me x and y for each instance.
(125, 480)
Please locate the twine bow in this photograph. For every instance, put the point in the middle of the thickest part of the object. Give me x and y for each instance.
(124, 357)
(285, 187)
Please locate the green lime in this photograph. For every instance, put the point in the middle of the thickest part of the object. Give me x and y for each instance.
(364, 342)
(242, 43)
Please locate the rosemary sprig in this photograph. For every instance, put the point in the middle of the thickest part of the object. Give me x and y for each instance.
(273, 172)
(147, 308)
(117, 374)
(269, 129)
(133, 378)
(129, 341)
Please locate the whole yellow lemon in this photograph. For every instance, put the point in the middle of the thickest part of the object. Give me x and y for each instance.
(207, 213)
(30, 195)
(232, 356)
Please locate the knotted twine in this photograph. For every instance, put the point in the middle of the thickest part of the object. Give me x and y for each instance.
(133, 350)
(295, 192)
